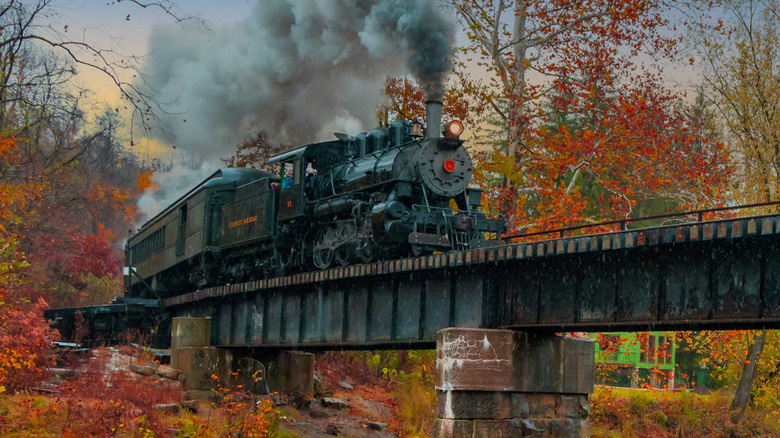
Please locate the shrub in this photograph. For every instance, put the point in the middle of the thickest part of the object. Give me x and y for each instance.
(415, 394)
(25, 345)
(641, 413)
(244, 415)
(103, 400)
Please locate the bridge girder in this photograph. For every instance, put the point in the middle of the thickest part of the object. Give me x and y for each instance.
(712, 275)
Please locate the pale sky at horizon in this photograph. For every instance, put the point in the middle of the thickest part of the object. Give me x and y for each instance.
(126, 27)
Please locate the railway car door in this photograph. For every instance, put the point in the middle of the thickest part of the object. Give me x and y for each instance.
(291, 191)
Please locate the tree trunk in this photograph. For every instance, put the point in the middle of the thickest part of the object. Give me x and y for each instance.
(403, 360)
(516, 117)
(742, 396)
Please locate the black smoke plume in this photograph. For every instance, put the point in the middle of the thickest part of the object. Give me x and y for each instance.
(297, 69)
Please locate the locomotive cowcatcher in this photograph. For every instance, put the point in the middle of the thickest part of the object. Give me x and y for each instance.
(382, 194)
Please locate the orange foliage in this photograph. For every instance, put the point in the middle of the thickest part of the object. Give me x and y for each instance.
(407, 101)
(245, 417)
(643, 145)
(145, 182)
(15, 194)
(6, 145)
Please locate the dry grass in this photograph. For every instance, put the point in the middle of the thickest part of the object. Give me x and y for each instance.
(618, 412)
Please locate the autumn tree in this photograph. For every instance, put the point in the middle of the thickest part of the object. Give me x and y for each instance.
(565, 42)
(407, 101)
(579, 57)
(36, 56)
(729, 353)
(643, 150)
(739, 60)
(254, 153)
(739, 63)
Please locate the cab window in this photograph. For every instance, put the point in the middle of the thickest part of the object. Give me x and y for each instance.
(287, 174)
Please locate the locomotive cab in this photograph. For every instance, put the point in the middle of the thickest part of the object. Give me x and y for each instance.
(291, 198)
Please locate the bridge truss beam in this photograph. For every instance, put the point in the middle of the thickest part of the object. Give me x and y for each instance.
(711, 275)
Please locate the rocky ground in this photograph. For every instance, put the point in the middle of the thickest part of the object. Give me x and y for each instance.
(346, 402)
(345, 415)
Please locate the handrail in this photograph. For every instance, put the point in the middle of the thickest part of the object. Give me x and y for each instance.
(623, 222)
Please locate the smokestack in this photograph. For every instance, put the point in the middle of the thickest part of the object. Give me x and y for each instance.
(433, 118)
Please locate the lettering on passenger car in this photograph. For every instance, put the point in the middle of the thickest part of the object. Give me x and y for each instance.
(244, 221)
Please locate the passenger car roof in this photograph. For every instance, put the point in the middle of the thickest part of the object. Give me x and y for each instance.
(223, 177)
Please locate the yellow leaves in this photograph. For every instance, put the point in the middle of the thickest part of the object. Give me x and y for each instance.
(104, 233)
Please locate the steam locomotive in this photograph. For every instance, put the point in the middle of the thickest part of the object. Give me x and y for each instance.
(383, 194)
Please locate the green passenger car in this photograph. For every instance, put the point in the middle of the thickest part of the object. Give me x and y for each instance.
(635, 359)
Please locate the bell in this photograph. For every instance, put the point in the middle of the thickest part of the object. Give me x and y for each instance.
(416, 129)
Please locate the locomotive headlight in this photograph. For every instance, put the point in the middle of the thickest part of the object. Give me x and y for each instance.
(449, 166)
(454, 129)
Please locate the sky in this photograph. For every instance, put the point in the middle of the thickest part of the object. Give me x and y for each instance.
(126, 27)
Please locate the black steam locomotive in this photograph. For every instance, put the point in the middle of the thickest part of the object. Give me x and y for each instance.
(382, 194)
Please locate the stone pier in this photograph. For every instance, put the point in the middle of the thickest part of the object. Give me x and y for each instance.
(502, 383)
(192, 353)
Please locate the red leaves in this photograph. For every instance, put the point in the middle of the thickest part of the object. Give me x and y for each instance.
(601, 160)
(91, 254)
(24, 345)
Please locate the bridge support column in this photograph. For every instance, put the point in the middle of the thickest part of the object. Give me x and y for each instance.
(189, 332)
(503, 383)
(192, 353)
(291, 372)
(285, 372)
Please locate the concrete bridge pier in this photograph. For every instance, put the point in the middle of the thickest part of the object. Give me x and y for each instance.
(193, 354)
(502, 383)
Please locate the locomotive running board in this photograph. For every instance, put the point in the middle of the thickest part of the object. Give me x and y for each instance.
(429, 240)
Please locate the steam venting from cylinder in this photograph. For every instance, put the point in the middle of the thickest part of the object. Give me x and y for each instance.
(433, 119)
